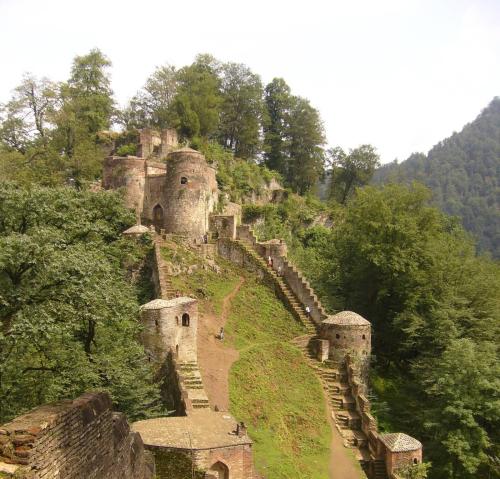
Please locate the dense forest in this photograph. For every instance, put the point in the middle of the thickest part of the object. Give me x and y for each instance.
(69, 303)
(463, 173)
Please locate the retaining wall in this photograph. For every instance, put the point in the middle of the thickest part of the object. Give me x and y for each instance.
(79, 439)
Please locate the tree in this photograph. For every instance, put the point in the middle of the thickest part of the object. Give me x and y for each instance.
(413, 273)
(414, 471)
(463, 414)
(197, 101)
(89, 92)
(351, 170)
(152, 106)
(306, 139)
(27, 115)
(241, 110)
(68, 316)
(278, 101)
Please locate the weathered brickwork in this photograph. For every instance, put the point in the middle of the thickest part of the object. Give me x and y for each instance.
(130, 175)
(191, 193)
(80, 439)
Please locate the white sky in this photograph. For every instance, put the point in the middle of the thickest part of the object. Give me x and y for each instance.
(399, 74)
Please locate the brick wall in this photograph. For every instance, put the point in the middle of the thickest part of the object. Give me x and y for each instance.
(79, 439)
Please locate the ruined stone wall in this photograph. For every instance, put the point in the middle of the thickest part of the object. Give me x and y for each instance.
(154, 194)
(235, 253)
(127, 173)
(191, 193)
(80, 439)
(223, 226)
(159, 273)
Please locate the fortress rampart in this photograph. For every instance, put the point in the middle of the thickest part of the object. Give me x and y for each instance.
(81, 439)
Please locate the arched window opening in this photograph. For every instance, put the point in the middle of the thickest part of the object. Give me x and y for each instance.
(177, 350)
(156, 322)
(415, 461)
(337, 336)
(184, 180)
(364, 337)
(185, 319)
(219, 470)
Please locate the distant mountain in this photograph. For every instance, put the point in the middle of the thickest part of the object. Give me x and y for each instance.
(463, 172)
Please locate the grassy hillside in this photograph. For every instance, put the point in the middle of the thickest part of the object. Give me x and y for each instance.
(271, 387)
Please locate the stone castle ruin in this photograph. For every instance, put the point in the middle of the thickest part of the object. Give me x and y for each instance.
(177, 195)
(174, 192)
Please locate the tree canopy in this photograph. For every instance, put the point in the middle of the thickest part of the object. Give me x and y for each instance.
(68, 312)
(463, 173)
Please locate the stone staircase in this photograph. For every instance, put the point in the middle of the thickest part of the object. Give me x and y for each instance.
(379, 469)
(169, 289)
(284, 291)
(191, 382)
(342, 404)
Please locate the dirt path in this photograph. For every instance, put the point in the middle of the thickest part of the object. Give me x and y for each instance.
(343, 463)
(214, 357)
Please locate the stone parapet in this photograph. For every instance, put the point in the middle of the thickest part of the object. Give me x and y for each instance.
(80, 439)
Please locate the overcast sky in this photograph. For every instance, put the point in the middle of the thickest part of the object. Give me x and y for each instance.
(399, 74)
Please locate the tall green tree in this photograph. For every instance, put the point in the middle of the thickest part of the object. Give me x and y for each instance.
(306, 140)
(351, 170)
(152, 105)
(434, 308)
(89, 91)
(241, 110)
(197, 102)
(278, 100)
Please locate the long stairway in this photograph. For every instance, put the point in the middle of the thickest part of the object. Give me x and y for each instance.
(332, 376)
(283, 289)
(334, 381)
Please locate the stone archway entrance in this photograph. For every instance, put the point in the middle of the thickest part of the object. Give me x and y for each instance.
(218, 471)
(158, 217)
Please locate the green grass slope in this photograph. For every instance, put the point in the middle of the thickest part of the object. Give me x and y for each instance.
(271, 387)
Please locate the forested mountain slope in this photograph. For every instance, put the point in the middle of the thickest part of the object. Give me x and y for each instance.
(463, 172)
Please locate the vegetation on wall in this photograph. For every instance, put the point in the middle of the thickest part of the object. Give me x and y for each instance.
(68, 309)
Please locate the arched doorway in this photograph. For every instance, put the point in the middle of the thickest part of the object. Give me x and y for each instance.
(158, 217)
(218, 471)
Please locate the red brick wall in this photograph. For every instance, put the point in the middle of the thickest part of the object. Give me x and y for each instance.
(75, 439)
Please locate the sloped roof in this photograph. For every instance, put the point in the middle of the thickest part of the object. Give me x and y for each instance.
(347, 318)
(400, 442)
(136, 230)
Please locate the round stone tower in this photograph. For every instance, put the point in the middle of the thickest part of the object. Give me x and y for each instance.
(347, 332)
(128, 173)
(191, 193)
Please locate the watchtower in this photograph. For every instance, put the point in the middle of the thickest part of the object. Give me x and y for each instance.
(170, 326)
(347, 332)
(191, 193)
